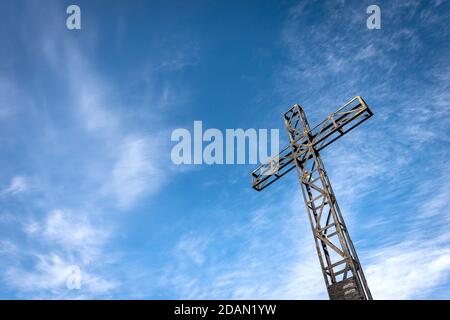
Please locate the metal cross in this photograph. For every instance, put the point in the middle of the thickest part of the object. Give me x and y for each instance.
(342, 271)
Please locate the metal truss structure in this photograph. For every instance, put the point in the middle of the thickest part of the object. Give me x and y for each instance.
(342, 271)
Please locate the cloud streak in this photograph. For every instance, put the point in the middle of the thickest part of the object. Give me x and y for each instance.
(91, 165)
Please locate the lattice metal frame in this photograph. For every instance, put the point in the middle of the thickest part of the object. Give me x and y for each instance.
(342, 271)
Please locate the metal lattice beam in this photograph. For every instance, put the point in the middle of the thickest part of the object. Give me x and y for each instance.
(347, 117)
(342, 271)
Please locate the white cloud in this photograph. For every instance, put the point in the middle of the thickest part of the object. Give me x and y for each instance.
(17, 185)
(8, 248)
(409, 270)
(136, 171)
(270, 260)
(31, 227)
(50, 274)
(66, 238)
(92, 109)
(185, 54)
(192, 248)
(49, 279)
(72, 230)
(116, 164)
(127, 162)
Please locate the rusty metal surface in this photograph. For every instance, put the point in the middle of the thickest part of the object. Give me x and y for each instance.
(341, 269)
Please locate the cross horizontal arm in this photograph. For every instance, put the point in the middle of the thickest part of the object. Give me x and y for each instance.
(344, 119)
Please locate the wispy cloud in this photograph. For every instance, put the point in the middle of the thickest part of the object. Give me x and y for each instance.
(69, 239)
(272, 259)
(411, 269)
(71, 230)
(137, 170)
(50, 276)
(192, 248)
(17, 185)
(90, 158)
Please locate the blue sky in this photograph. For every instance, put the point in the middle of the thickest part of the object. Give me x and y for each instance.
(85, 122)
